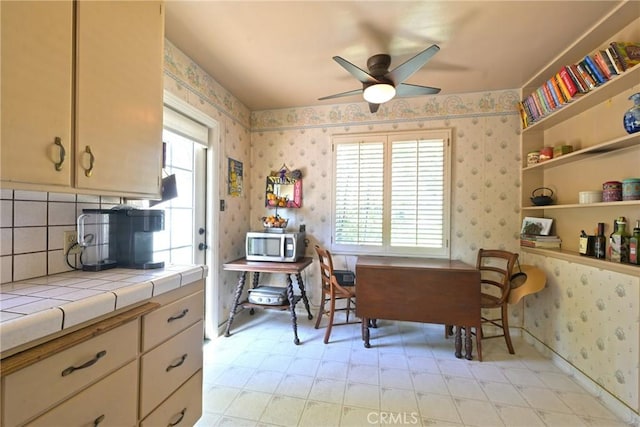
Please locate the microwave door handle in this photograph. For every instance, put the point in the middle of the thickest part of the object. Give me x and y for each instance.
(283, 253)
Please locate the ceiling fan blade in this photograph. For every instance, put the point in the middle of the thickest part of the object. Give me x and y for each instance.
(340, 95)
(405, 70)
(356, 72)
(405, 89)
(373, 107)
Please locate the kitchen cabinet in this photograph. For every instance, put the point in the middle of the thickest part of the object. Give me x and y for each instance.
(82, 96)
(142, 365)
(603, 151)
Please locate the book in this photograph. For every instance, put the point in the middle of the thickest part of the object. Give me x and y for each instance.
(568, 81)
(612, 59)
(602, 65)
(523, 115)
(581, 84)
(542, 102)
(563, 88)
(589, 81)
(554, 95)
(591, 67)
(617, 56)
(629, 52)
(543, 245)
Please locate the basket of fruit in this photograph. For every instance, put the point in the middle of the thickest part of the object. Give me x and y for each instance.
(274, 221)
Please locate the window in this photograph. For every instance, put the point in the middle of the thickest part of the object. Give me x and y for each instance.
(391, 194)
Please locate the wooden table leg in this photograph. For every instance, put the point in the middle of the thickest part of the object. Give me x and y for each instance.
(304, 295)
(292, 307)
(365, 332)
(468, 346)
(458, 342)
(236, 302)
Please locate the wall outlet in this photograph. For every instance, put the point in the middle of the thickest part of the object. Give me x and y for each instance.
(71, 246)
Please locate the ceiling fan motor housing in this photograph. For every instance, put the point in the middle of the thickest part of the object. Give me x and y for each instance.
(378, 65)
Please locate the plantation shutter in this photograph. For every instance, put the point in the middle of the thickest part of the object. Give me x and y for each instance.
(359, 179)
(417, 193)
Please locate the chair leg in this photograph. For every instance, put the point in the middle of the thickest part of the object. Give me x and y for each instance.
(348, 311)
(332, 309)
(320, 310)
(505, 327)
(479, 344)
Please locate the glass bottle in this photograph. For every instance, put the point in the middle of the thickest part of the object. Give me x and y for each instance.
(634, 245)
(632, 115)
(609, 248)
(620, 242)
(599, 245)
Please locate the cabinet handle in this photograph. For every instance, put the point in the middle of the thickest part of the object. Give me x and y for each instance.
(58, 142)
(180, 362)
(98, 420)
(179, 420)
(70, 369)
(89, 171)
(179, 316)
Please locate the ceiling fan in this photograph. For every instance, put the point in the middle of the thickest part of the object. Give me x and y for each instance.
(380, 85)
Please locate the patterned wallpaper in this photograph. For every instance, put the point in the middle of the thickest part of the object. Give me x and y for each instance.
(585, 318)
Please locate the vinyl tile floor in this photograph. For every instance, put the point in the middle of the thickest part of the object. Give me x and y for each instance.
(409, 377)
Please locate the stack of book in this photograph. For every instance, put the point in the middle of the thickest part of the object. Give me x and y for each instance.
(573, 80)
(536, 241)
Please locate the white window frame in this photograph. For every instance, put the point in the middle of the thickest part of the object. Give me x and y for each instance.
(386, 249)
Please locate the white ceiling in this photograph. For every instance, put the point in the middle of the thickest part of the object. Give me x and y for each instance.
(278, 54)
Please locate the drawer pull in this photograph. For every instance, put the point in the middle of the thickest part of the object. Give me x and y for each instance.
(179, 316)
(98, 420)
(180, 362)
(58, 142)
(179, 420)
(70, 369)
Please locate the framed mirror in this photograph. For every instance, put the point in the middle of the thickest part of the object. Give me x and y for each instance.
(283, 191)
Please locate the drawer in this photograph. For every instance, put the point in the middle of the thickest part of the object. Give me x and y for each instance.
(182, 408)
(34, 389)
(170, 319)
(109, 402)
(167, 366)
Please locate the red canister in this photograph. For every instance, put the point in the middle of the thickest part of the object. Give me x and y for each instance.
(612, 191)
(546, 153)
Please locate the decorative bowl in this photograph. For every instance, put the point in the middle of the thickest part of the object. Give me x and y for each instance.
(274, 222)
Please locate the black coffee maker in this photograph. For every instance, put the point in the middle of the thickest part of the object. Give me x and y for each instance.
(132, 232)
(119, 237)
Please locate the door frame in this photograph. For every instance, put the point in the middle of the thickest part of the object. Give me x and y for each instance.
(212, 220)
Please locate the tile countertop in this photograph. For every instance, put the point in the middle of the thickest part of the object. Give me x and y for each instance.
(34, 308)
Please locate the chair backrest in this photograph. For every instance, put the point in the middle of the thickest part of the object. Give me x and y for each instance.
(326, 266)
(496, 267)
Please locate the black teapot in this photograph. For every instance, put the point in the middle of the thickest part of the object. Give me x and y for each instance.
(540, 199)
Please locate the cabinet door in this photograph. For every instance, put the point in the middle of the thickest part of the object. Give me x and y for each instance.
(37, 42)
(119, 96)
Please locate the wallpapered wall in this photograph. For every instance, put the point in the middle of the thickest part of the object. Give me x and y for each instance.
(588, 319)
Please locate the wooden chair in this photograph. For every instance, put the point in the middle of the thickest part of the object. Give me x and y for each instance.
(496, 267)
(332, 292)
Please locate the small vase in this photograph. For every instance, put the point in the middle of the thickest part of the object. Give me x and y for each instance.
(632, 116)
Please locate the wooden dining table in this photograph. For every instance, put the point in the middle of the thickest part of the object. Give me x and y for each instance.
(420, 290)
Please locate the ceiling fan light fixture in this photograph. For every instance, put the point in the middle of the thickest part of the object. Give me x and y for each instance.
(379, 93)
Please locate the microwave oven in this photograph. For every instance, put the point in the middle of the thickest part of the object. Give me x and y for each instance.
(271, 246)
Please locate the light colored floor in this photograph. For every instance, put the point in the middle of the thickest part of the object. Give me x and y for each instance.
(409, 377)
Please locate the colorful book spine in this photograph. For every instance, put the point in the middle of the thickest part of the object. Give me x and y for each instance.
(583, 87)
(553, 94)
(590, 82)
(613, 60)
(592, 68)
(568, 81)
(629, 52)
(602, 65)
(566, 94)
(618, 56)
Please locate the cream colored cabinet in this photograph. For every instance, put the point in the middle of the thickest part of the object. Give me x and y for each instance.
(37, 82)
(109, 402)
(117, 97)
(603, 151)
(182, 408)
(118, 122)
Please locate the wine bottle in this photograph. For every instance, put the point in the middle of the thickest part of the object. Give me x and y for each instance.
(634, 245)
(620, 242)
(600, 244)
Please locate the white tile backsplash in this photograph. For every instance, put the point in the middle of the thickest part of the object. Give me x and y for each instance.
(29, 195)
(29, 213)
(62, 213)
(29, 265)
(6, 241)
(29, 239)
(6, 213)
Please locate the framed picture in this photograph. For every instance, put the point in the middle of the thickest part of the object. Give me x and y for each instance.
(235, 178)
(537, 226)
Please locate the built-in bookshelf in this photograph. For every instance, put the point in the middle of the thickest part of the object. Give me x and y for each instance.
(592, 124)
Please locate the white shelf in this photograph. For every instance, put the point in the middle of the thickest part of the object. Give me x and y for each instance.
(588, 152)
(583, 205)
(570, 256)
(617, 84)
